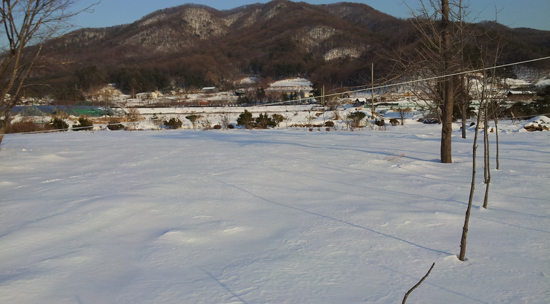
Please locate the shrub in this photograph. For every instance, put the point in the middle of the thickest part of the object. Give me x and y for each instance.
(277, 118)
(329, 124)
(206, 124)
(26, 126)
(430, 120)
(542, 107)
(157, 121)
(381, 124)
(133, 115)
(172, 123)
(83, 124)
(403, 112)
(115, 127)
(193, 119)
(263, 122)
(217, 127)
(230, 126)
(58, 124)
(353, 120)
(225, 121)
(245, 119)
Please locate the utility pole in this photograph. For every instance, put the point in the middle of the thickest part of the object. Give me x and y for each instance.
(372, 89)
(324, 104)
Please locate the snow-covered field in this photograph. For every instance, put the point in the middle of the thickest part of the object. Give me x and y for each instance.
(270, 216)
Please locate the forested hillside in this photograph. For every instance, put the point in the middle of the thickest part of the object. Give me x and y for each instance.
(192, 46)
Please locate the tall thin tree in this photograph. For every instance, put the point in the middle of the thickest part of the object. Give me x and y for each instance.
(448, 100)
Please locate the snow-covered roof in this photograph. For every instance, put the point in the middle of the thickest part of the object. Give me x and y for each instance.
(249, 80)
(514, 92)
(516, 82)
(295, 82)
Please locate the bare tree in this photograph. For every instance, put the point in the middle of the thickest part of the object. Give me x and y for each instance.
(440, 26)
(26, 25)
(403, 112)
(225, 121)
(463, 239)
(492, 100)
(448, 94)
(486, 95)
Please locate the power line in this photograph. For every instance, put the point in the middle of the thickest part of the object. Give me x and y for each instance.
(373, 88)
(440, 77)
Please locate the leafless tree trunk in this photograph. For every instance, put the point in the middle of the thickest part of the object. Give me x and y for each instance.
(447, 117)
(417, 284)
(463, 240)
(439, 54)
(463, 98)
(26, 25)
(486, 154)
(497, 143)
(491, 100)
(464, 110)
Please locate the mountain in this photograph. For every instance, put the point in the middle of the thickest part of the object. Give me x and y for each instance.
(195, 45)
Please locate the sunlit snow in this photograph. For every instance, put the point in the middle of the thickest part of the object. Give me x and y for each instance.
(270, 216)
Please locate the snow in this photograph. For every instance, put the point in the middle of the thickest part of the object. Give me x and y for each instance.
(249, 80)
(294, 82)
(539, 121)
(270, 216)
(515, 83)
(543, 82)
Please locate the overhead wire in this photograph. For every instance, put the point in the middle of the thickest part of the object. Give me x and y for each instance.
(376, 87)
(436, 77)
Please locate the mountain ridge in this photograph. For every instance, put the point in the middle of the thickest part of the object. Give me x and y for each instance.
(330, 43)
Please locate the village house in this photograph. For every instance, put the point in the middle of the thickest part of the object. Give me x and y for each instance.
(302, 87)
(524, 96)
(209, 90)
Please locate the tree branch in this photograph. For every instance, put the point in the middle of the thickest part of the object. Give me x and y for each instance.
(417, 284)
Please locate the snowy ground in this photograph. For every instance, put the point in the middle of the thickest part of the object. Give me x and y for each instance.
(269, 216)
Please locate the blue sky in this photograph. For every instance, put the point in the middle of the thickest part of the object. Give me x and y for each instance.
(512, 13)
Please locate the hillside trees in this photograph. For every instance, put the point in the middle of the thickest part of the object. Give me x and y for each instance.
(136, 80)
(26, 23)
(68, 95)
(90, 77)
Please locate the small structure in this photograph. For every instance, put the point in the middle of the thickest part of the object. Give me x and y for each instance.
(240, 92)
(56, 110)
(209, 90)
(300, 86)
(520, 95)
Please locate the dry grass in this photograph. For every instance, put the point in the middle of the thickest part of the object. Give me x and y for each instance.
(27, 126)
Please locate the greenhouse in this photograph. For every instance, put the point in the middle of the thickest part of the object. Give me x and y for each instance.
(57, 110)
